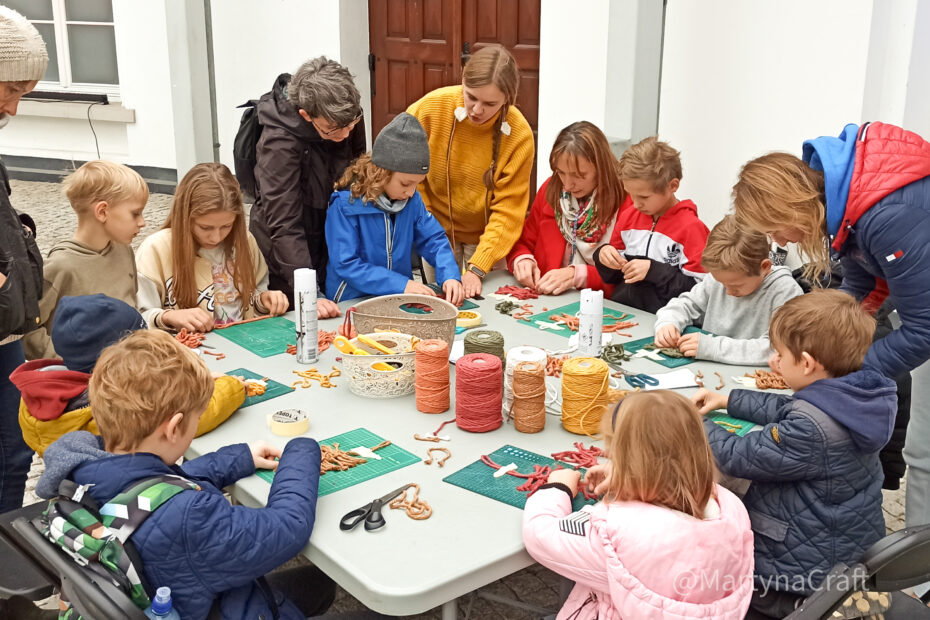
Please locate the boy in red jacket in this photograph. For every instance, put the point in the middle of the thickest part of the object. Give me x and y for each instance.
(655, 250)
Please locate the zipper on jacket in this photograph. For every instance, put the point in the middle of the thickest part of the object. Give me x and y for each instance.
(389, 240)
(655, 222)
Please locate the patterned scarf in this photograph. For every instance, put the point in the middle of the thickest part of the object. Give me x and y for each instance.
(577, 221)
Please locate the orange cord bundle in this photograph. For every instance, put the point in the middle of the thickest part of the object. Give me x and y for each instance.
(432, 376)
(571, 322)
(524, 313)
(190, 339)
(312, 374)
(332, 458)
(416, 508)
(529, 397)
(324, 339)
(581, 456)
(442, 461)
(291, 349)
(554, 366)
(768, 380)
(252, 320)
(254, 388)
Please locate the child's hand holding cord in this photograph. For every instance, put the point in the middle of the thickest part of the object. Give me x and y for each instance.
(455, 292)
(667, 336)
(264, 456)
(275, 301)
(708, 401)
(597, 478)
(688, 344)
(611, 257)
(191, 319)
(568, 477)
(635, 270)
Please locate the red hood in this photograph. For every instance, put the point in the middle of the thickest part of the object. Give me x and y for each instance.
(887, 159)
(46, 393)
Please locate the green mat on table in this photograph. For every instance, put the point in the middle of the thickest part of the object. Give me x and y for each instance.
(719, 416)
(392, 457)
(668, 362)
(263, 338)
(610, 316)
(466, 304)
(272, 390)
(479, 478)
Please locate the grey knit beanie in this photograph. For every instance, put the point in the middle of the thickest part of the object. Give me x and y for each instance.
(22, 50)
(402, 146)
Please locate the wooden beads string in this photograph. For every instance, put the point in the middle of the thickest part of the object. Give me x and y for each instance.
(585, 388)
(529, 397)
(416, 508)
(486, 341)
(432, 376)
(478, 392)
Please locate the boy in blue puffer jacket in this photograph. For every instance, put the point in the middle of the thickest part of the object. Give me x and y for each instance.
(379, 217)
(148, 392)
(816, 492)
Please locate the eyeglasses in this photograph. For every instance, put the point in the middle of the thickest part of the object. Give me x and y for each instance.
(327, 133)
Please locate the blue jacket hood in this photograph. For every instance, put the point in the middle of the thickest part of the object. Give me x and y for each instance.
(64, 455)
(834, 157)
(865, 402)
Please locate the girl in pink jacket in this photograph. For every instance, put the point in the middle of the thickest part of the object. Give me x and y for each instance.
(665, 541)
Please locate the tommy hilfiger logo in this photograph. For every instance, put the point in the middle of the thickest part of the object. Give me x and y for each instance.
(894, 256)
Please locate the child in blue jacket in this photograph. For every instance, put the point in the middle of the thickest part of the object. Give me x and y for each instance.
(148, 392)
(816, 494)
(378, 218)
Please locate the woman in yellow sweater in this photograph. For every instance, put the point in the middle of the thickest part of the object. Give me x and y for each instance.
(481, 156)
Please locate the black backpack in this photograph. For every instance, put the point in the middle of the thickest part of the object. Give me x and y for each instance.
(244, 149)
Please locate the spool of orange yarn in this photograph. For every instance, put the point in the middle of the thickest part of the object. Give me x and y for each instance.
(432, 376)
(529, 397)
(585, 387)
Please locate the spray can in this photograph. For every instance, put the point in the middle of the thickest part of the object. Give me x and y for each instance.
(305, 310)
(590, 323)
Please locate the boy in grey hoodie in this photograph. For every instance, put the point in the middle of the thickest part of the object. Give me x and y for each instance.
(734, 301)
(108, 199)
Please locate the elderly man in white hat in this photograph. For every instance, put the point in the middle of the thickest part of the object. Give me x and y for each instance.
(23, 60)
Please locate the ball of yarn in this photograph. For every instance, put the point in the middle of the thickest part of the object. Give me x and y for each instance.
(585, 386)
(478, 392)
(432, 376)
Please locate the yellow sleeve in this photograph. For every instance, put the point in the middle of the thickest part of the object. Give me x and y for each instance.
(40, 434)
(509, 203)
(228, 395)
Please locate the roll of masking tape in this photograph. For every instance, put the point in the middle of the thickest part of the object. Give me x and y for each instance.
(289, 422)
(468, 318)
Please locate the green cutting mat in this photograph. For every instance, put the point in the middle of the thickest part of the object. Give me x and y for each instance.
(718, 416)
(263, 338)
(668, 362)
(479, 478)
(272, 390)
(571, 310)
(466, 304)
(392, 457)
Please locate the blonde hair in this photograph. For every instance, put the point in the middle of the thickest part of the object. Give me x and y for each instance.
(493, 64)
(103, 181)
(829, 325)
(659, 453)
(364, 179)
(208, 188)
(651, 160)
(778, 191)
(141, 381)
(583, 139)
(732, 247)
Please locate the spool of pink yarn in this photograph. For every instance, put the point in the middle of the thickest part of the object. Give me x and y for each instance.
(478, 392)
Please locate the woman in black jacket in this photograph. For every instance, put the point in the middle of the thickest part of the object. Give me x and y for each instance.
(22, 64)
(312, 129)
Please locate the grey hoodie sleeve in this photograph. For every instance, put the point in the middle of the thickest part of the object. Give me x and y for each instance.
(688, 308)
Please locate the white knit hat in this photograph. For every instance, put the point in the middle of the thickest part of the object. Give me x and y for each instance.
(22, 50)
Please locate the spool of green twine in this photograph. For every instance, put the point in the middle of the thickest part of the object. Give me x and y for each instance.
(485, 341)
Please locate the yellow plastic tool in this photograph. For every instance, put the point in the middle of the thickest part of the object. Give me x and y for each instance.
(374, 344)
(343, 344)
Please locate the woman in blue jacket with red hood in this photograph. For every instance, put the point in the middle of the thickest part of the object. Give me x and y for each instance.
(865, 197)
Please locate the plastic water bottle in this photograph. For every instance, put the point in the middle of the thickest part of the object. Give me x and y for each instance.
(161, 609)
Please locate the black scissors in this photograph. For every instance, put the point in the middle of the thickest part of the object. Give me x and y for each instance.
(370, 513)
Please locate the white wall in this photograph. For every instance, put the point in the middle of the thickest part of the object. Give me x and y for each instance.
(255, 42)
(573, 40)
(740, 79)
(142, 51)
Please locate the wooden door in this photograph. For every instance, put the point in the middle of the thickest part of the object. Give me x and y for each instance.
(419, 45)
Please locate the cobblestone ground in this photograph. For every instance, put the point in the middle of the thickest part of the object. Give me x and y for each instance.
(532, 586)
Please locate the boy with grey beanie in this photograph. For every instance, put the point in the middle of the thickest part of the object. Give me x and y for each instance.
(376, 217)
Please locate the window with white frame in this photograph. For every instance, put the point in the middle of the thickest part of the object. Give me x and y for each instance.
(80, 40)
